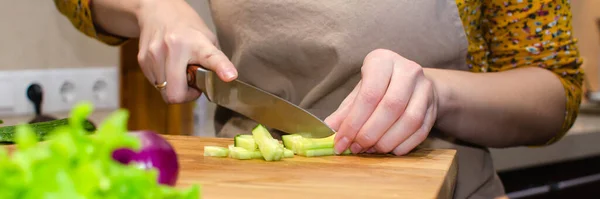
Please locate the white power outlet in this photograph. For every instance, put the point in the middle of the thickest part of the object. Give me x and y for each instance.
(62, 88)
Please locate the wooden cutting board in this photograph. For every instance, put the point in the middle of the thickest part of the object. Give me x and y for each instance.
(425, 173)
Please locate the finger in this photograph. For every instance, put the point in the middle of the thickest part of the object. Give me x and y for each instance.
(410, 121)
(376, 74)
(419, 136)
(335, 119)
(371, 150)
(210, 57)
(156, 54)
(146, 66)
(390, 108)
(178, 54)
(143, 57)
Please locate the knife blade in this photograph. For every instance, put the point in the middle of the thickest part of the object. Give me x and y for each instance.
(257, 104)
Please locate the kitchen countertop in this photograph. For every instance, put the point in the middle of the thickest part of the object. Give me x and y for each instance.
(581, 141)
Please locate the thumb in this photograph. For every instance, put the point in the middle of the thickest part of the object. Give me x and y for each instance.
(209, 56)
(217, 62)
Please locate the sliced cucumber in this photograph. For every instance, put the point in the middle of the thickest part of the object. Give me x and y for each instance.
(261, 145)
(245, 141)
(297, 143)
(315, 143)
(322, 152)
(289, 141)
(288, 153)
(243, 154)
(311, 147)
(270, 148)
(216, 151)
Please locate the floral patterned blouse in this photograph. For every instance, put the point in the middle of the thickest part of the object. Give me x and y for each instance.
(502, 35)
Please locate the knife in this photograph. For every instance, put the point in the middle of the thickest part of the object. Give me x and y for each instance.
(263, 107)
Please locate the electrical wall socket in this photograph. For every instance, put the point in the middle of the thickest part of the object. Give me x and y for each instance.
(62, 89)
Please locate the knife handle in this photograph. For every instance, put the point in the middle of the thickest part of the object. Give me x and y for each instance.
(195, 80)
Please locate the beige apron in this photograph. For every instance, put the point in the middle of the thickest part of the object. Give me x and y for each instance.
(310, 53)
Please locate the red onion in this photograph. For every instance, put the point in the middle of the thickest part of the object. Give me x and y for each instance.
(155, 152)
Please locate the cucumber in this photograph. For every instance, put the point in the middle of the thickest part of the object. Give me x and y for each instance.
(314, 143)
(311, 147)
(216, 151)
(243, 154)
(41, 129)
(296, 142)
(269, 147)
(289, 141)
(322, 152)
(261, 145)
(288, 153)
(245, 141)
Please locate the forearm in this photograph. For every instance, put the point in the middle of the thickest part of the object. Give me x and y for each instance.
(116, 17)
(518, 107)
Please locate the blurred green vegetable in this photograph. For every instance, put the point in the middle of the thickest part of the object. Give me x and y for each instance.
(42, 129)
(73, 164)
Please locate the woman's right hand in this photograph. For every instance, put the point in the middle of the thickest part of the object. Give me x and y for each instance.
(172, 35)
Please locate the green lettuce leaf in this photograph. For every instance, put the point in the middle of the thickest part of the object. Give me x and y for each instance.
(73, 164)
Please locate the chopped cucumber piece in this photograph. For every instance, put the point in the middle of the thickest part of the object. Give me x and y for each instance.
(261, 145)
(245, 141)
(314, 143)
(243, 154)
(288, 153)
(270, 148)
(322, 152)
(311, 147)
(298, 144)
(289, 141)
(215, 151)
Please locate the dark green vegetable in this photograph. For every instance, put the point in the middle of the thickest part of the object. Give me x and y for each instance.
(41, 129)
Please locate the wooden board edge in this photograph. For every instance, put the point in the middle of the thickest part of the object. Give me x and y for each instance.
(448, 185)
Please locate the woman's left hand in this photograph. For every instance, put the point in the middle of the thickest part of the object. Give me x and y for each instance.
(392, 108)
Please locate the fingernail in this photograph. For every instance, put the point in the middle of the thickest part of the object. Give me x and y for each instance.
(341, 145)
(355, 148)
(229, 74)
(371, 150)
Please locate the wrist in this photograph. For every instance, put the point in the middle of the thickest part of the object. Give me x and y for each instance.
(140, 10)
(446, 100)
(163, 12)
(114, 17)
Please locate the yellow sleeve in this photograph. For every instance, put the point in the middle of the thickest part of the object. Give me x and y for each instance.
(79, 13)
(521, 33)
